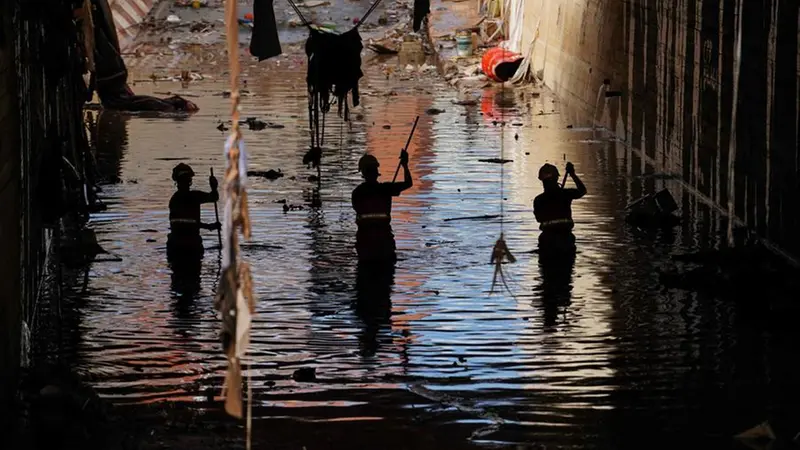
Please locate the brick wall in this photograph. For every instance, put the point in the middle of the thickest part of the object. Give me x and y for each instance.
(676, 63)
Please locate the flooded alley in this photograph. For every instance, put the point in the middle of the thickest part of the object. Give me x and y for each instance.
(596, 354)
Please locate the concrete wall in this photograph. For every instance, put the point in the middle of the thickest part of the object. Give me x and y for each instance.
(10, 312)
(727, 124)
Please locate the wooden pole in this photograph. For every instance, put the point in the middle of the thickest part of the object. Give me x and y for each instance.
(408, 142)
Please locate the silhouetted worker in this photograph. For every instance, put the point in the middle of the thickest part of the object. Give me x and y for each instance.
(184, 241)
(372, 202)
(553, 211)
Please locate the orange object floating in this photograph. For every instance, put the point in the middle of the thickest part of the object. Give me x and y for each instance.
(499, 64)
(249, 16)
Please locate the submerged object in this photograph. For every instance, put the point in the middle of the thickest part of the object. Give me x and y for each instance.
(500, 64)
(653, 211)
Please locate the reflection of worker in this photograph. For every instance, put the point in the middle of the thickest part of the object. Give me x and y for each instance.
(553, 209)
(373, 305)
(184, 239)
(372, 202)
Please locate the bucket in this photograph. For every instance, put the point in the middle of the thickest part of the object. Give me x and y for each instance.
(500, 64)
(464, 43)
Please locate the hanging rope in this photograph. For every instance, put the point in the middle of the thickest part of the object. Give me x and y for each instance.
(234, 299)
(500, 251)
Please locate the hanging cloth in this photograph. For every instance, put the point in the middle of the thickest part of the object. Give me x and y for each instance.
(334, 67)
(264, 42)
(421, 9)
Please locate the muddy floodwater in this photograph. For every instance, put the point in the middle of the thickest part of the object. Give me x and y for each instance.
(598, 355)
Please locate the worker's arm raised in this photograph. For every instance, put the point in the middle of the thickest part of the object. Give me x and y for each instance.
(407, 180)
(581, 191)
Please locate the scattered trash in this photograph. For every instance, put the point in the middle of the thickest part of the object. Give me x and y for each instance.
(496, 160)
(387, 127)
(222, 127)
(381, 50)
(433, 111)
(465, 102)
(269, 174)
(172, 18)
(541, 112)
(191, 3)
(255, 124)
(516, 136)
(287, 207)
(316, 4)
(305, 374)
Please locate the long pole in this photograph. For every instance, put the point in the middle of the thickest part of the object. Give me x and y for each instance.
(408, 142)
(216, 214)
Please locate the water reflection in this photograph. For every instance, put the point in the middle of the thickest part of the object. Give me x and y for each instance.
(373, 305)
(555, 283)
(598, 332)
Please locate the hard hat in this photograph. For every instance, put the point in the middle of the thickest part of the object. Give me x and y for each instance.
(368, 162)
(547, 172)
(182, 170)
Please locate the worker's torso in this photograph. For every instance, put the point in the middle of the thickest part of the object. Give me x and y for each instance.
(554, 210)
(184, 213)
(373, 205)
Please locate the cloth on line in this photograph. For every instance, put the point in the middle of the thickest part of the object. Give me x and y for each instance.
(334, 66)
(264, 42)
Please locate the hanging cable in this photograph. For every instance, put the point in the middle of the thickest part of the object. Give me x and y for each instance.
(500, 251)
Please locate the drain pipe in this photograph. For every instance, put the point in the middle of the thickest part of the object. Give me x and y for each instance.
(732, 144)
(603, 91)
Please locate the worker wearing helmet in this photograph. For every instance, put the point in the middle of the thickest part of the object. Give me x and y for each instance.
(553, 208)
(372, 202)
(184, 214)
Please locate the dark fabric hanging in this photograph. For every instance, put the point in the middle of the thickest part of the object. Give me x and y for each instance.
(264, 42)
(334, 67)
(421, 9)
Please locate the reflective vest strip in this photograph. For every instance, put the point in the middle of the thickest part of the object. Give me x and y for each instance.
(556, 222)
(186, 221)
(372, 216)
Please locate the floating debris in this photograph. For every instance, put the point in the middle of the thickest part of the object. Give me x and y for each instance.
(305, 375)
(434, 111)
(496, 160)
(269, 174)
(484, 217)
